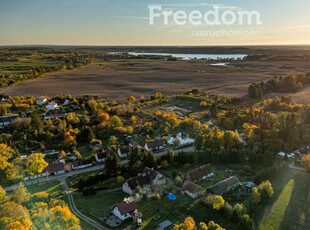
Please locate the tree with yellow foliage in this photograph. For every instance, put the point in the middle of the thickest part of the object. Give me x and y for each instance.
(36, 164)
(6, 153)
(218, 202)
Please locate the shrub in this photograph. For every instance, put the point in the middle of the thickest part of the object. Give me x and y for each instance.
(120, 179)
(266, 190)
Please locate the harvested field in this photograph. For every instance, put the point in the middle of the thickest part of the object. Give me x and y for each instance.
(118, 80)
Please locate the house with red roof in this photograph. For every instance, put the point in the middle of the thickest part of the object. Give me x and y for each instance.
(125, 210)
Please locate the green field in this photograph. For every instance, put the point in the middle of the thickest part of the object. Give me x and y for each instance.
(54, 188)
(289, 208)
(23, 65)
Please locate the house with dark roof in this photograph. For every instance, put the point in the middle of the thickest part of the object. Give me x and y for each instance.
(154, 145)
(125, 210)
(50, 116)
(145, 180)
(124, 151)
(225, 186)
(51, 169)
(81, 164)
(192, 189)
(55, 168)
(201, 173)
(7, 120)
(134, 145)
(100, 157)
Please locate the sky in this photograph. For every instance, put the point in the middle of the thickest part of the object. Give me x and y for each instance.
(127, 23)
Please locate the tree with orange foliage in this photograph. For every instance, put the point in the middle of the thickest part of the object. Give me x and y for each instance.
(190, 223)
(102, 116)
(203, 104)
(25, 224)
(158, 113)
(305, 161)
(158, 95)
(132, 99)
(133, 119)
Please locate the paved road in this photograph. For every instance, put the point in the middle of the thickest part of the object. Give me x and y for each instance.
(73, 208)
(59, 177)
(90, 169)
(291, 166)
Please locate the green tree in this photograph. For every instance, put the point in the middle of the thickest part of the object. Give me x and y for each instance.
(21, 194)
(202, 226)
(112, 164)
(178, 180)
(116, 122)
(238, 211)
(228, 209)
(213, 110)
(265, 189)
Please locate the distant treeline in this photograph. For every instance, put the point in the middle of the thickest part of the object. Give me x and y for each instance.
(288, 84)
(278, 58)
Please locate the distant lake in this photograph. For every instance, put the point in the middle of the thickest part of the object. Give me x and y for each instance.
(196, 56)
(221, 64)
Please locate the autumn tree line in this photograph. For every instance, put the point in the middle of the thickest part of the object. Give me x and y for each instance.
(24, 211)
(285, 84)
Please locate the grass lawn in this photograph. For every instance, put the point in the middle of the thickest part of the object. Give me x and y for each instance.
(289, 208)
(219, 173)
(99, 205)
(164, 209)
(273, 219)
(54, 188)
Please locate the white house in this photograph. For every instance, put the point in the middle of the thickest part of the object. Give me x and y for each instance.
(81, 164)
(201, 173)
(41, 100)
(224, 186)
(52, 106)
(134, 145)
(145, 180)
(100, 157)
(51, 169)
(125, 210)
(192, 189)
(124, 151)
(154, 145)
